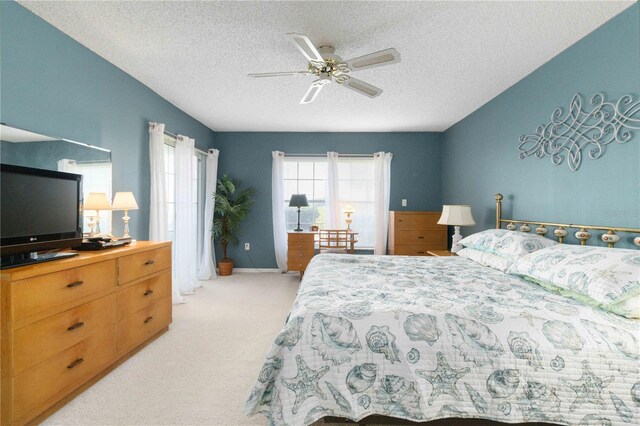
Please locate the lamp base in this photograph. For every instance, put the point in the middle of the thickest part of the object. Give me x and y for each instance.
(455, 239)
(298, 229)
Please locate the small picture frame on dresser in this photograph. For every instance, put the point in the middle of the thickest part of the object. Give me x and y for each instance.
(314, 228)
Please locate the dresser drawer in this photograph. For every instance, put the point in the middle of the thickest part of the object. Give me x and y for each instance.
(424, 237)
(143, 294)
(37, 294)
(418, 220)
(139, 265)
(138, 327)
(38, 341)
(410, 250)
(302, 236)
(67, 370)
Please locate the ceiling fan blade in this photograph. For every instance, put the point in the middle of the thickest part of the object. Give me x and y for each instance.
(313, 90)
(383, 57)
(277, 74)
(307, 48)
(362, 87)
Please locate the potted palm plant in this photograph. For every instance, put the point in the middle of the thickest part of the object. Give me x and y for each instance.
(230, 210)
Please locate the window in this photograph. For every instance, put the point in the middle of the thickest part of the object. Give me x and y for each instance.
(355, 187)
(305, 176)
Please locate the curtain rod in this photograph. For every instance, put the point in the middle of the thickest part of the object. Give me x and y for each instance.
(176, 138)
(325, 155)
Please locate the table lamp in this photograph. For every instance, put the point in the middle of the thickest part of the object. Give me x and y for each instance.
(298, 200)
(349, 211)
(96, 201)
(456, 215)
(125, 201)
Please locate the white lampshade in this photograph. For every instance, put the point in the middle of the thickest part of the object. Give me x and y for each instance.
(96, 201)
(124, 201)
(349, 209)
(458, 215)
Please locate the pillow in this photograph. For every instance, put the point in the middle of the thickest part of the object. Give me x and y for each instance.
(484, 240)
(487, 259)
(508, 244)
(610, 277)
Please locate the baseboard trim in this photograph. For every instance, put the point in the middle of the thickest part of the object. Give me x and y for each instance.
(254, 270)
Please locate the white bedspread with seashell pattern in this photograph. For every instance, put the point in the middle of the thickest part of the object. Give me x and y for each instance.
(425, 338)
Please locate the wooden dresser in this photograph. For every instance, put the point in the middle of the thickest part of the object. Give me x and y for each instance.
(301, 250)
(68, 322)
(414, 233)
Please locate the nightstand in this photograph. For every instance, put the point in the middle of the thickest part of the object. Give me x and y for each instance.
(301, 250)
(440, 253)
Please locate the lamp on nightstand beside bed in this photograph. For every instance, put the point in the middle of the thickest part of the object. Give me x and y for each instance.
(456, 215)
(298, 200)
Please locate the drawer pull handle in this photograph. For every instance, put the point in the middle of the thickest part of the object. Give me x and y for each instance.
(76, 363)
(421, 238)
(420, 252)
(76, 325)
(75, 284)
(149, 262)
(148, 292)
(148, 320)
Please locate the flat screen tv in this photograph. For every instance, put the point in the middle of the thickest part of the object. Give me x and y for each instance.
(40, 211)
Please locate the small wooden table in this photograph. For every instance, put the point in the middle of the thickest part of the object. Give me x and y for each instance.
(440, 253)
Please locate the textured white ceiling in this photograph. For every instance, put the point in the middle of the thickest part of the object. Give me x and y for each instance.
(456, 56)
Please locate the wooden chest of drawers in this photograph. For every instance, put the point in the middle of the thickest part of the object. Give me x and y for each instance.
(301, 250)
(414, 233)
(66, 323)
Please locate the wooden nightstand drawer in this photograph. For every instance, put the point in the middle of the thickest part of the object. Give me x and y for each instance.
(63, 372)
(38, 294)
(139, 265)
(143, 294)
(410, 250)
(301, 236)
(43, 339)
(143, 324)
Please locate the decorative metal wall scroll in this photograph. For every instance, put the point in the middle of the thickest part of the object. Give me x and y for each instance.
(580, 129)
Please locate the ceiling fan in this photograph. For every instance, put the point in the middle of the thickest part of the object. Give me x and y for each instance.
(329, 67)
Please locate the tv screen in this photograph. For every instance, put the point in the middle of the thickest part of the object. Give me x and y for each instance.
(39, 210)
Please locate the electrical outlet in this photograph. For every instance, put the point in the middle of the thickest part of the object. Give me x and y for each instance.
(247, 246)
(404, 202)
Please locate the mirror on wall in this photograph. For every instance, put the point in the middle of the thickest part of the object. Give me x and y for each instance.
(24, 148)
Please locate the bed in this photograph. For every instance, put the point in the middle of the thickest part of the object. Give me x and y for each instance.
(426, 338)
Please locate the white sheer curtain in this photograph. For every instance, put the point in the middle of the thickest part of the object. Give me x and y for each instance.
(382, 183)
(158, 219)
(207, 269)
(186, 242)
(277, 208)
(332, 194)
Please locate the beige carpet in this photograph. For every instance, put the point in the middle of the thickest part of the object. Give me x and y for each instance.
(201, 371)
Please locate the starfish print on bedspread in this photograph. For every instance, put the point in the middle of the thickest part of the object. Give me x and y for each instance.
(588, 387)
(305, 384)
(443, 379)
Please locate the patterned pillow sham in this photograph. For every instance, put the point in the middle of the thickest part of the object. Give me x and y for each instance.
(487, 259)
(508, 244)
(608, 276)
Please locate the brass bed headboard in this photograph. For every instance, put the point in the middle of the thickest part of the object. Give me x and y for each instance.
(583, 234)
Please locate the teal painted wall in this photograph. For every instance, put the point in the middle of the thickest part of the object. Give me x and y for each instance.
(51, 84)
(481, 152)
(415, 174)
